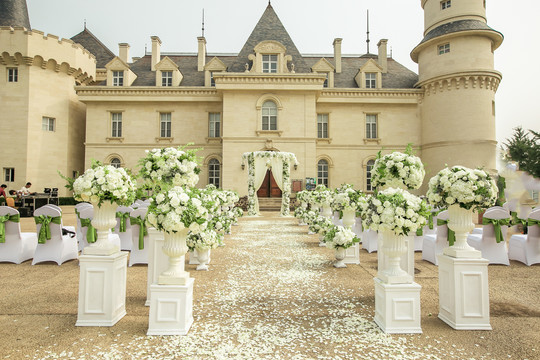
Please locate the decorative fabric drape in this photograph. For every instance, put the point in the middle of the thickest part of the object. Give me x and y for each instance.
(277, 172)
(260, 174)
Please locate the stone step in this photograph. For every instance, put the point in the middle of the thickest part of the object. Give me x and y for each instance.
(270, 204)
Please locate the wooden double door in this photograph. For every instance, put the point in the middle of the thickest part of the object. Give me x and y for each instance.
(269, 187)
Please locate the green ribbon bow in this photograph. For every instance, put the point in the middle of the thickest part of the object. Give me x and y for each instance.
(420, 232)
(451, 233)
(45, 231)
(123, 216)
(497, 223)
(143, 231)
(91, 232)
(516, 221)
(532, 222)
(3, 220)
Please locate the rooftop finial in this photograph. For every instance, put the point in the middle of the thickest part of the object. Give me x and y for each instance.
(269, 3)
(202, 22)
(367, 40)
(84, 24)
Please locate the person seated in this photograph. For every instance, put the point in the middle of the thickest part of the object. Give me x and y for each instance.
(3, 188)
(25, 190)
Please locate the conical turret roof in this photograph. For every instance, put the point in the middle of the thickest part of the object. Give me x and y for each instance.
(14, 13)
(269, 27)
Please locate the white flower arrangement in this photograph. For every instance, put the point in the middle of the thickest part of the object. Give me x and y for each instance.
(320, 225)
(396, 210)
(321, 196)
(347, 198)
(204, 240)
(104, 182)
(468, 188)
(339, 236)
(177, 209)
(398, 170)
(175, 166)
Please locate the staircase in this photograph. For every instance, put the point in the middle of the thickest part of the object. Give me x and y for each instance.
(270, 204)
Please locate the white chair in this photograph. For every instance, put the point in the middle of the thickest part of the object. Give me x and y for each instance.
(526, 248)
(17, 246)
(125, 236)
(369, 240)
(66, 227)
(85, 218)
(138, 256)
(478, 230)
(78, 208)
(495, 252)
(58, 248)
(433, 244)
(357, 228)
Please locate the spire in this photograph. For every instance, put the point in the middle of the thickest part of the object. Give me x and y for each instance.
(14, 13)
(202, 23)
(367, 40)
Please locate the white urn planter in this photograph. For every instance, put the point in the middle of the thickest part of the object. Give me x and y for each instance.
(340, 255)
(460, 221)
(327, 211)
(315, 207)
(394, 247)
(103, 220)
(175, 248)
(349, 218)
(203, 256)
(321, 241)
(352, 254)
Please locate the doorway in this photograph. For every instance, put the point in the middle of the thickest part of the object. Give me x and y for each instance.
(269, 187)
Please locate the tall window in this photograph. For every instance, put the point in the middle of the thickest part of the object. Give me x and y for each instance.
(212, 81)
(269, 115)
(9, 174)
(269, 63)
(115, 162)
(369, 167)
(326, 81)
(165, 125)
(371, 80)
(322, 172)
(443, 49)
(322, 126)
(116, 124)
(371, 126)
(166, 78)
(214, 125)
(214, 172)
(118, 78)
(446, 4)
(13, 74)
(47, 123)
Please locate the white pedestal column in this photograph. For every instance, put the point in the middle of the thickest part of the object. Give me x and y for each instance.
(397, 307)
(352, 255)
(171, 309)
(464, 292)
(102, 289)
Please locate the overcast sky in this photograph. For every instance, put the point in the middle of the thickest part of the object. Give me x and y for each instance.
(312, 25)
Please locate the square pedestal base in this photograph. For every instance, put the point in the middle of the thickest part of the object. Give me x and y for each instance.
(352, 255)
(102, 289)
(171, 309)
(464, 293)
(397, 307)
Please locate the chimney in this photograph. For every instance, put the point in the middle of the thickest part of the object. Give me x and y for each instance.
(337, 54)
(383, 55)
(201, 56)
(156, 51)
(123, 52)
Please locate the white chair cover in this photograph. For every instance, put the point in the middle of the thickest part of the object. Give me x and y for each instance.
(78, 208)
(58, 248)
(336, 220)
(496, 253)
(138, 256)
(433, 245)
(125, 236)
(18, 247)
(419, 239)
(526, 248)
(369, 240)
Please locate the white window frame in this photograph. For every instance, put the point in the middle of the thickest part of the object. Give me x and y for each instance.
(166, 78)
(9, 174)
(369, 169)
(534, 195)
(212, 81)
(322, 172)
(48, 124)
(116, 124)
(371, 80)
(445, 4)
(214, 125)
(443, 49)
(269, 116)
(214, 172)
(322, 126)
(118, 77)
(165, 125)
(13, 74)
(116, 162)
(372, 126)
(270, 63)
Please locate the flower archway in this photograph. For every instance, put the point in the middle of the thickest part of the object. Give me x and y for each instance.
(258, 163)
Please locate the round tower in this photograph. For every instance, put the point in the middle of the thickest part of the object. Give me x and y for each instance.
(456, 72)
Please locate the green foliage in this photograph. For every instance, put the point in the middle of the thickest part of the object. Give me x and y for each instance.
(524, 148)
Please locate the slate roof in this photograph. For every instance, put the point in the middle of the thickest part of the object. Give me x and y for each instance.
(14, 13)
(91, 43)
(456, 26)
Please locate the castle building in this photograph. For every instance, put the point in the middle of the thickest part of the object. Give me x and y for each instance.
(333, 112)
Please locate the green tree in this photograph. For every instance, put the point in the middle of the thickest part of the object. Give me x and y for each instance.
(524, 148)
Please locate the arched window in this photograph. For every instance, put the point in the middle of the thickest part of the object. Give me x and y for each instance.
(269, 115)
(369, 167)
(322, 172)
(214, 172)
(116, 162)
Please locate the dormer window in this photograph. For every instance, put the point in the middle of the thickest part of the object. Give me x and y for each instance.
(446, 4)
(270, 63)
(371, 80)
(166, 78)
(212, 81)
(118, 78)
(326, 81)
